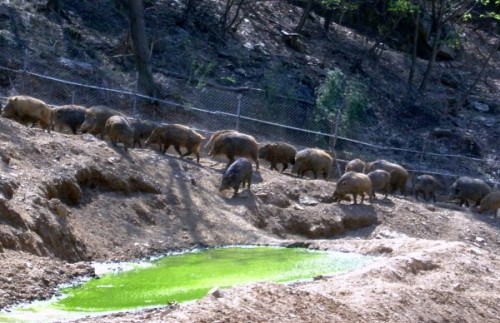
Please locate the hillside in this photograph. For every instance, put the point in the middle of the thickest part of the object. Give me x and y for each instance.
(201, 72)
(71, 199)
(67, 200)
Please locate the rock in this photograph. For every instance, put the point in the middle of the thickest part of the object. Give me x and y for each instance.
(293, 40)
(241, 72)
(458, 287)
(307, 200)
(298, 207)
(88, 137)
(483, 107)
(262, 195)
(488, 122)
(387, 234)
(216, 292)
(279, 200)
(81, 68)
(446, 53)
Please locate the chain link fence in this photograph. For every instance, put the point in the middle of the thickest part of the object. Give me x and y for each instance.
(210, 107)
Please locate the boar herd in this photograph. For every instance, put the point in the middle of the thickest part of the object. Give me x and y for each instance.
(359, 179)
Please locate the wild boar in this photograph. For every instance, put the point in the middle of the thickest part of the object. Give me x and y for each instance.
(381, 180)
(238, 174)
(312, 159)
(278, 152)
(427, 185)
(118, 129)
(71, 116)
(216, 135)
(26, 109)
(467, 188)
(142, 129)
(232, 143)
(355, 184)
(95, 119)
(490, 202)
(355, 165)
(399, 175)
(176, 135)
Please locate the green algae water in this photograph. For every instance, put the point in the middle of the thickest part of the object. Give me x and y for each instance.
(189, 276)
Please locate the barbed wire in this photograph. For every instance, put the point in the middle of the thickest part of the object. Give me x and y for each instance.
(276, 112)
(233, 115)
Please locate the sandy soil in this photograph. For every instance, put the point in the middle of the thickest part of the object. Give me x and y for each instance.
(68, 200)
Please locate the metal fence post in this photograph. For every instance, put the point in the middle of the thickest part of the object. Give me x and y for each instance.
(238, 112)
(25, 68)
(340, 102)
(136, 89)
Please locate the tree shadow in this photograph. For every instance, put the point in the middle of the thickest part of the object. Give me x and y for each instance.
(384, 201)
(193, 218)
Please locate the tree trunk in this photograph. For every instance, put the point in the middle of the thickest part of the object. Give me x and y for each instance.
(328, 19)
(236, 14)
(186, 14)
(303, 19)
(432, 59)
(438, 25)
(140, 47)
(414, 53)
(224, 18)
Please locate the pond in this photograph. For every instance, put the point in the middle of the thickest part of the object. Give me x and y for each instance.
(185, 277)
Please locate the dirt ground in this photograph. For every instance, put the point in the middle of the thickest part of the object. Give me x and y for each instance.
(72, 199)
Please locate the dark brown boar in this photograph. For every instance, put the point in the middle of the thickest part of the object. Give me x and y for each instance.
(118, 129)
(490, 202)
(142, 129)
(71, 116)
(381, 180)
(238, 174)
(95, 119)
(355, 184)
(312, 159)
(467, 188)
(232, 143)
(399, 175)
(355, 165)
(26, 109)
(278, 152)
(176, 135)
(427, 185)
